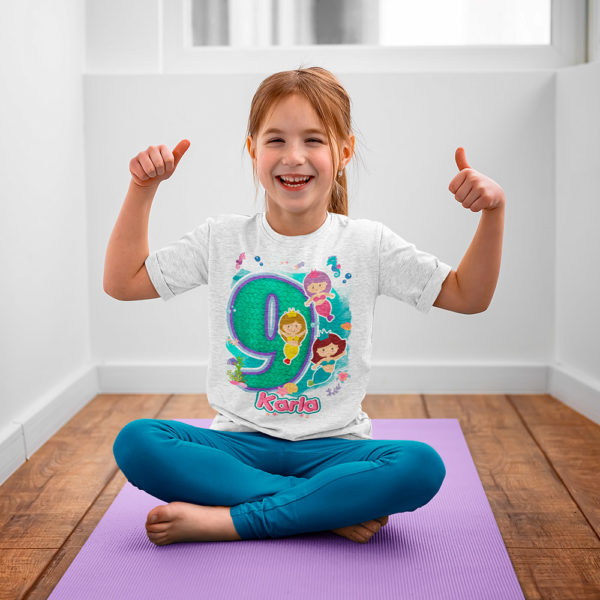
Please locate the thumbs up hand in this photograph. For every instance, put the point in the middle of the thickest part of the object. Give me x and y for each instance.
(474, 190)
(156, 164)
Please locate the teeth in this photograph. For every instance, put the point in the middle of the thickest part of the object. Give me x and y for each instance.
(295, 179)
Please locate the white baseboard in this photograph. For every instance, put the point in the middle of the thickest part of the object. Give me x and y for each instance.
(490, 378)
(152, 379)
(12, 449)
(575, 389)
(22, 437)
(386, 378)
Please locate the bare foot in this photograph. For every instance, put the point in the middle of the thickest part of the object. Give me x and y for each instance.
(185, 522)
(362, 532)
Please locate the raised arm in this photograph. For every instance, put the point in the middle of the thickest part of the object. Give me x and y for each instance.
(125, 274)
(473, 284)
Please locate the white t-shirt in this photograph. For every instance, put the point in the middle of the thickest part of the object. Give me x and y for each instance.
(291, 317)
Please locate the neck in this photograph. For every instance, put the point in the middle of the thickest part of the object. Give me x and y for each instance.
(291, 224)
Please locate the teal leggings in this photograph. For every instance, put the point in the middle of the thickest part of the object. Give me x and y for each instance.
(277, 487)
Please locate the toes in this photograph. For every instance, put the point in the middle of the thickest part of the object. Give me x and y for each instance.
(157, 527)
(160, 512)
(160, 542)
(360, 533)
(363, 538)
(356, 535)
(149, 518)
(157, 538)
(372, 526)
(368, 530)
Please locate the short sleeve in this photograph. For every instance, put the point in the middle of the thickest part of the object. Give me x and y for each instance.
(409, 274)
(181, 265)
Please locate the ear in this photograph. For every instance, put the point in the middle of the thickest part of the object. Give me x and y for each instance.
(250, 147)
(347, 151)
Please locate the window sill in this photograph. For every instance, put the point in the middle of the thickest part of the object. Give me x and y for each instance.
(357, 59)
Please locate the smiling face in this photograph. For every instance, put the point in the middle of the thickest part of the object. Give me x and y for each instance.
(294, 149)
(292, 328)
(315, 288)
(327, 351)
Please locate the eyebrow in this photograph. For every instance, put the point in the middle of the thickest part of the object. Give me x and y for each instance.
(275, 130)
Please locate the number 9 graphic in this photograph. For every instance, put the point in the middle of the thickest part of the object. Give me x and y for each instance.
(256, 304)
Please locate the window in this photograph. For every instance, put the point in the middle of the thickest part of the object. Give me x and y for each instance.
(256, 23)
(346, 36)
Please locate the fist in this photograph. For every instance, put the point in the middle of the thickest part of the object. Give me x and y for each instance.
(156, 164)
(474, 190)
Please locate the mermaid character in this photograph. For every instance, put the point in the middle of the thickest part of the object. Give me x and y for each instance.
(327, 349)
(292, 329)
(315, 283)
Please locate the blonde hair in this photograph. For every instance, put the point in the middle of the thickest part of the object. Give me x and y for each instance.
(332, 105)
(292, 316)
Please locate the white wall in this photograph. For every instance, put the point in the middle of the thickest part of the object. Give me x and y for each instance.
(45, 306)
(411, 124)
(577, 291)
(535, 132)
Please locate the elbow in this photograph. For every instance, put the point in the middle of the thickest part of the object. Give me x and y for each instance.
(112, 292)
(479, 309)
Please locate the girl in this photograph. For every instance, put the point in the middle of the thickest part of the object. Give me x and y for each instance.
(292, 329)
(326, 351)
(314, 283)
(281, 457)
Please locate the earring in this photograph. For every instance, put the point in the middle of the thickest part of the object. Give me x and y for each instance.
(339, 173)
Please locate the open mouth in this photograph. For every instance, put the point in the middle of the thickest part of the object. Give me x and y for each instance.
(294, 186)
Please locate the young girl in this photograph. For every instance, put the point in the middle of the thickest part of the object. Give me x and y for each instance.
(290, 450)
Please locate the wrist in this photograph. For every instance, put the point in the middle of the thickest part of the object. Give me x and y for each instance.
(498, 206)
(143, 190)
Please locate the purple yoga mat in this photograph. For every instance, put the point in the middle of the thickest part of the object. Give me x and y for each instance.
(449, 549)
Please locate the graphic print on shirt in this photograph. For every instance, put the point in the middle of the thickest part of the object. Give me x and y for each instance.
(289, 335)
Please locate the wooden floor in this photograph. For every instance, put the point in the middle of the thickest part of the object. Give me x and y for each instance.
(538, 461)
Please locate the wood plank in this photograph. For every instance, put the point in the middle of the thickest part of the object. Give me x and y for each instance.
(44, 499)
(394, 406)
(557, 574)
(571, 443)
(19, 569)
(532, 507)
(62, 559)
(179, 406)
(495, 434)
(42, 502)
(187, 406)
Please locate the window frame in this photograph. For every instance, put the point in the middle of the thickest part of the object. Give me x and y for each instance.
(569, 45)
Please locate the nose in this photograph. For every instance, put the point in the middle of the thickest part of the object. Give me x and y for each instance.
(293, 155)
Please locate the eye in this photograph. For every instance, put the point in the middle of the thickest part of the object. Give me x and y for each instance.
(309, 140)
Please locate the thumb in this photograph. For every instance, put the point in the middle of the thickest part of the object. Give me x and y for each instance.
(180, 150)
(461, 159)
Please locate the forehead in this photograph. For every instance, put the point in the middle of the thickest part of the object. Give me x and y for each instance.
(276, 130)
(292, 114)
